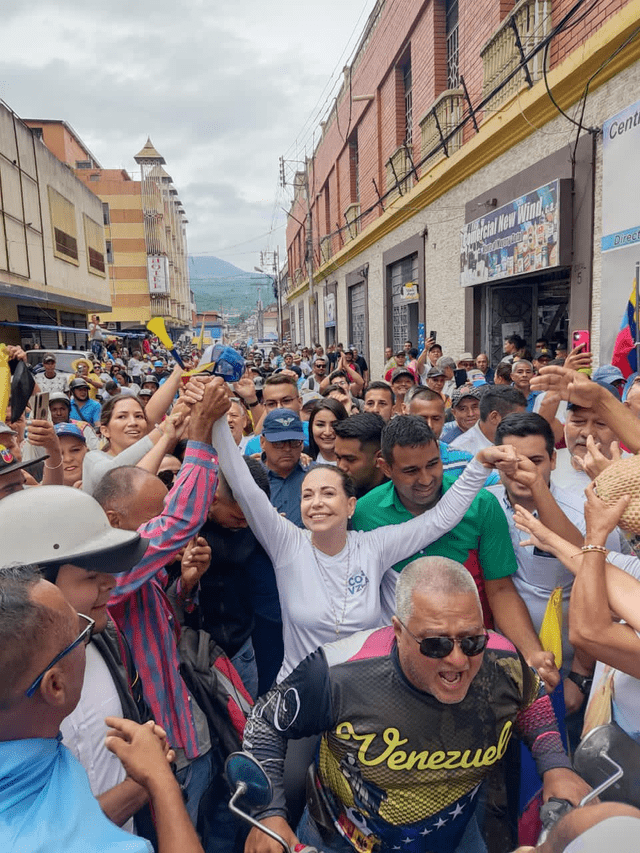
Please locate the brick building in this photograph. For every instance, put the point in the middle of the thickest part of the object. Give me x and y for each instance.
(448, 192)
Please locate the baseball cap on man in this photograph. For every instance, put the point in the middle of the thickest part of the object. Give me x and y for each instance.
(9, 463)
(283, 425)
(608, 373)
(460, 393)
(48, 356)
(433, 372)
(446, 361)
(6, 429)
(158, 363)
(402, 371)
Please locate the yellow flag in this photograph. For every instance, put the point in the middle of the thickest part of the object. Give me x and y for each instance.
(551, 628)
(5, 381)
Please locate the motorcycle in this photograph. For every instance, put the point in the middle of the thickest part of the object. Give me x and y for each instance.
(250, 783)
(599, 759)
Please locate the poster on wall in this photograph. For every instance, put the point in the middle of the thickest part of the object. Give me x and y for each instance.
(620, 243)
(518, 238)
(330, 309)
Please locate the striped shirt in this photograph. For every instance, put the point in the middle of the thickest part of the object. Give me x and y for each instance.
(141, 609)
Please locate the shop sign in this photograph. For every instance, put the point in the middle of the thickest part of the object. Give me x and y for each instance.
(519, 238)
(620, 243)
(158, 273)
(409, 292)
(330, 309)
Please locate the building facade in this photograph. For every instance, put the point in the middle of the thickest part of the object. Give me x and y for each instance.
(457, 185)
(144, 231)
(52, 248)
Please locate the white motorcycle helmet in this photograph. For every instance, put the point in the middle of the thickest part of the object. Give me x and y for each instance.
(53, 525)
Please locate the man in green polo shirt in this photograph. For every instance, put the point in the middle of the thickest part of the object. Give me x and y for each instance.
(481, 541)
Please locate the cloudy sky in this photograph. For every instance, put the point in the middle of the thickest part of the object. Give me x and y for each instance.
(222, 90)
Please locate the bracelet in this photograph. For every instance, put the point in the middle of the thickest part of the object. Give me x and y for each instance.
(599, 548)
(253, 405)
(53, 467)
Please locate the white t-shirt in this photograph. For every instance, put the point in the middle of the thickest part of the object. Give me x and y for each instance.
(322, 594)
(59, 382)
(84, 730)
(473, 440)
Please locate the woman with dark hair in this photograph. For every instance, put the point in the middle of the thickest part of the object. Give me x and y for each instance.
(132, 438)
(322, 438)
(329, 577)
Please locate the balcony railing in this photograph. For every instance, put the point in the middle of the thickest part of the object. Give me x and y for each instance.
(351, 216)
(444, 115)
(500, 55)
(325, 249)
(398, 167)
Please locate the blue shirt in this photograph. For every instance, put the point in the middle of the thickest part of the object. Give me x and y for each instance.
(454, 462)
(285, 493)
(449, 432)
(89, 412)
(253, 445)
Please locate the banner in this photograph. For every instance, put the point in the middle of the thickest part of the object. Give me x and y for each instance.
(158, 273)
(519, 238)
(620, 243)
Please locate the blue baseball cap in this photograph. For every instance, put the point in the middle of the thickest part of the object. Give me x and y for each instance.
(608, 373)
(283, 425)
(158, 363)
(70, 429)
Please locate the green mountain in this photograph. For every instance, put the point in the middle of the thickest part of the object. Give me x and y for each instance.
(221, 286)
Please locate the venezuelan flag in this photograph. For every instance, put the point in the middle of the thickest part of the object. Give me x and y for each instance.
(624, 353)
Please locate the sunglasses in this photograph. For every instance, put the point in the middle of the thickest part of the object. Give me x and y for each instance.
(82, 639)
(441, 647)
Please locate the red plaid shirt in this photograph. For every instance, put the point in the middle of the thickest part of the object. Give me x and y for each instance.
(141, 609)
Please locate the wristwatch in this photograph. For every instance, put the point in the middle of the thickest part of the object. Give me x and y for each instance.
(253, 405)
(582, 682)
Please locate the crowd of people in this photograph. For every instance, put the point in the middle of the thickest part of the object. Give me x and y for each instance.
(352, 576)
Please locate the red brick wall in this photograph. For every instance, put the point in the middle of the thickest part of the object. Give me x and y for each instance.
(405, 27)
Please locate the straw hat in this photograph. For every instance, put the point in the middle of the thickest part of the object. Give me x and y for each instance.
(618, 479)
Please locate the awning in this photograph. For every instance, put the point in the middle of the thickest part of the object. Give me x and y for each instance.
(77, 329)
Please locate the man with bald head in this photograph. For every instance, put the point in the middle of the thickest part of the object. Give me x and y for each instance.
(416, 706)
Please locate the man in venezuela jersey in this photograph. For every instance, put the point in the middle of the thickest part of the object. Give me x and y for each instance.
(412, 718)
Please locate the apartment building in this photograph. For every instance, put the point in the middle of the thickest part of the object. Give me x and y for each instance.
(52, 249)
(144, 230)
(463, 175)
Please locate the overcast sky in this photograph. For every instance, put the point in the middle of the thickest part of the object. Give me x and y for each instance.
(222, 90)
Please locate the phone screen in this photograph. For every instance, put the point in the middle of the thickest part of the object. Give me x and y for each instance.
(460, 376)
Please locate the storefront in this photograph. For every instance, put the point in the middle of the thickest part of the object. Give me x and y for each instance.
(526, 260)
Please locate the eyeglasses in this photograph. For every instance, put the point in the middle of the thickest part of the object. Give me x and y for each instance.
(285, 403)
(441, 647)
(82, 639)
(293, 443)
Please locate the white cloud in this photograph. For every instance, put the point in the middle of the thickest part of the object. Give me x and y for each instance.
(223, 90)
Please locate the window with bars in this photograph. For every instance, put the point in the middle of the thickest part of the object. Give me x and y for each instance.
(358, 316)
(408, 102)
(453, 70)
(400, 274)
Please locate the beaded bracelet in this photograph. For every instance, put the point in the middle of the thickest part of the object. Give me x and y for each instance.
(600, 548)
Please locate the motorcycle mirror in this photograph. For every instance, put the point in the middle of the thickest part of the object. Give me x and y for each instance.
(242, 768)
